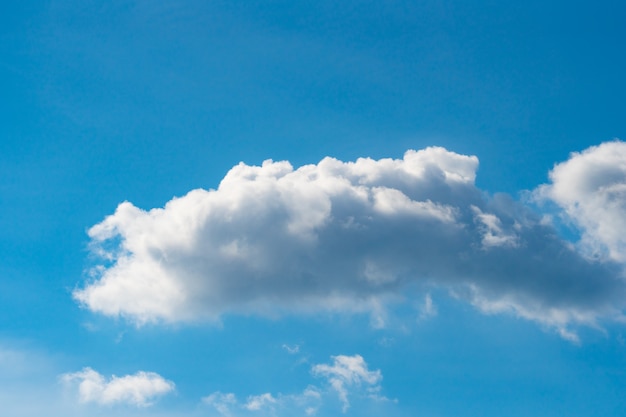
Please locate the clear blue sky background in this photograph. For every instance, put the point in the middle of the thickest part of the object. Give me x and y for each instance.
(142, 101)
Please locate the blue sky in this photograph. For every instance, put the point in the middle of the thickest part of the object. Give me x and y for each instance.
(437, 228)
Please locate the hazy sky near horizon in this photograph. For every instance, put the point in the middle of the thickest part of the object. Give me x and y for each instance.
(288, 208)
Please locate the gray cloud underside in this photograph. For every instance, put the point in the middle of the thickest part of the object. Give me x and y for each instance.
(345, 236)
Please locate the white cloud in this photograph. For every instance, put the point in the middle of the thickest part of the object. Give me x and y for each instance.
(221, 402)
(428, 309)
(272, 237)
(292, 350)
(257, 402)
(347, 372)
(227, 405)
(346, 376)
(139, 389)
(591, 188)
(351, 236)
(492, 232)
(309, 400)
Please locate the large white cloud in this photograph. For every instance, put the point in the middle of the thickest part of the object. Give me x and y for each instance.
(139, 389)
(345, 236)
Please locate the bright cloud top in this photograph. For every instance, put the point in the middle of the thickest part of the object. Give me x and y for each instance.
(591, 189)
(347, 236)
(140, 389)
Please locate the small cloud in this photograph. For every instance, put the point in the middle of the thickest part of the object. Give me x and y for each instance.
(493, 232)
(221, 402)
(257, 402)
(569, 335)
(139, 389)
(386, 341)
(119, 337)
(428, 309)
(347, 372)
(345, 376)
(227, 404)
(292, 350)
(89, 326)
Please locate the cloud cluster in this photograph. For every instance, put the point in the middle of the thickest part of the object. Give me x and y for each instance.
(228, 405)
(351, 236)
(346, 375)
(139, 389)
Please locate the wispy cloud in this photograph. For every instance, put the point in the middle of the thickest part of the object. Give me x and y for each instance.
(428, 309)
(222, 402)
(292, 350)
(347, 372)
(350, 236)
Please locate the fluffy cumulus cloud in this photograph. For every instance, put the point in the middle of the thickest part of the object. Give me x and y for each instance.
(354, 236)
(345, 376)
(591, 189)
(140, 389)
